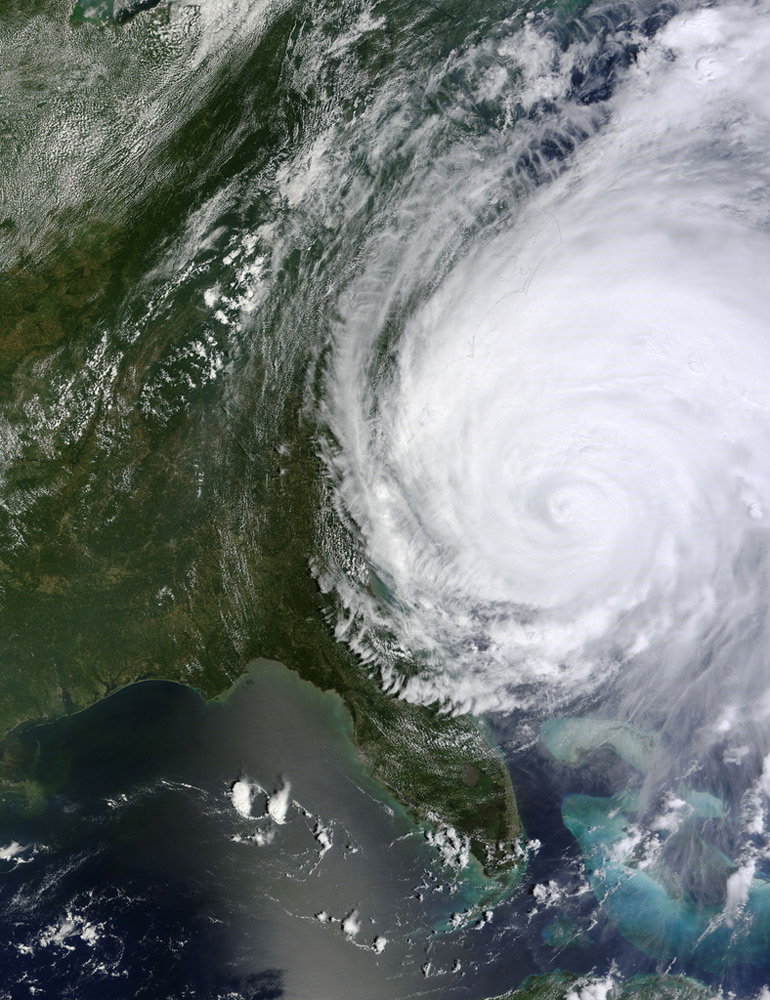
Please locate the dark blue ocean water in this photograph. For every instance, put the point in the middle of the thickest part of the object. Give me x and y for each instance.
(110, 896)
(139, 878)
(542, 784)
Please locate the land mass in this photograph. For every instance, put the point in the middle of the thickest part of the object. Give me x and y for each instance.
(160, 480)
(105, 585)
(570, 986)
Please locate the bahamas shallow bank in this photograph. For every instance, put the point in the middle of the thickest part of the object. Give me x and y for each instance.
(423, 349)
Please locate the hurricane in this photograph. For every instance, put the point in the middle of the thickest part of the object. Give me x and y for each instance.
(421, 351)
(555, 457)
(548, 444)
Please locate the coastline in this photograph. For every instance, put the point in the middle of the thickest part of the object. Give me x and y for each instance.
(490, 870)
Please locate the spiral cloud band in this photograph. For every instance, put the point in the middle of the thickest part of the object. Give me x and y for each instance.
(562, 480)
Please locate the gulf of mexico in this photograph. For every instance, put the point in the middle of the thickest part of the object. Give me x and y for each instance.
(136, 875)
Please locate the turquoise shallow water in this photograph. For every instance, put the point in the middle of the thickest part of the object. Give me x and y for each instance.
(238, 848)
(663, 920)
(319, 887)
(662, 880)
(425, 341)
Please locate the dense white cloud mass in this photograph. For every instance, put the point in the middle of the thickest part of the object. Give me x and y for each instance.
(562, 480)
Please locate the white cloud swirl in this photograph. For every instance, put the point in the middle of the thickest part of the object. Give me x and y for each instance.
(564, 477)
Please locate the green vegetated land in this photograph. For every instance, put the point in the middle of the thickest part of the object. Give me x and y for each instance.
(570, 986)
(159, 475)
